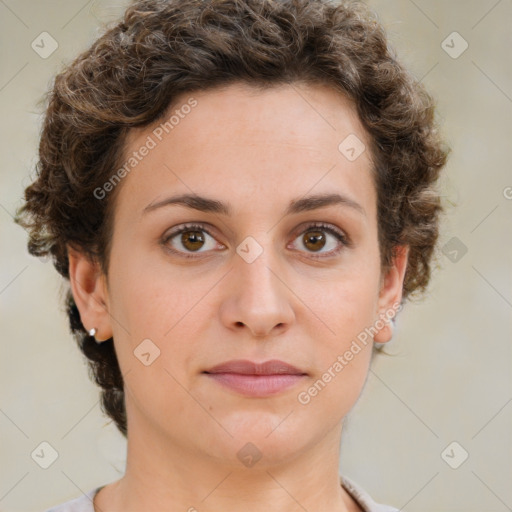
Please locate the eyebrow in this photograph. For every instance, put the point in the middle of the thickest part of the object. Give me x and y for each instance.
(205, 204)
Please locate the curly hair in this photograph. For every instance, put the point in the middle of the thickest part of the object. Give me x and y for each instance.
(163, 48)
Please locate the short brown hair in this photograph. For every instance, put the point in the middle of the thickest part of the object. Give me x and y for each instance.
(163, 48)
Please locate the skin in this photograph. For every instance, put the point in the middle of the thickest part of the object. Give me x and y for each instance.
(257, 151)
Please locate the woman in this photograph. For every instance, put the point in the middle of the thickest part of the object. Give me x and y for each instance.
(190, 162)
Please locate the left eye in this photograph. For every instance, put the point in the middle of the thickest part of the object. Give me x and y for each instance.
(315, 239)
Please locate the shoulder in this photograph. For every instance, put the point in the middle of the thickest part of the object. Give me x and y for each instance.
(81, 504)
(363, 499)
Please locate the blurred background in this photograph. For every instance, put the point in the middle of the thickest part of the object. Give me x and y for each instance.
(432, 429)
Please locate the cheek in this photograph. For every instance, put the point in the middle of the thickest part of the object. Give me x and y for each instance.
(341, 351)
(342, 342)
(347, 302)
(156, 321)
(146, 295)
(153, 300)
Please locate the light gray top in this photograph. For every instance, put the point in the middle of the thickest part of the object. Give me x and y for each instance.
(84, 503)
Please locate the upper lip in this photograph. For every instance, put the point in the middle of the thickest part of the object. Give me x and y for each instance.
(245, 367)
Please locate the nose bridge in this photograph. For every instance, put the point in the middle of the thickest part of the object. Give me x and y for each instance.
(260, 300)
(257, 264)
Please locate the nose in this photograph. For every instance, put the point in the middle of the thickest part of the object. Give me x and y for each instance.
(257, 297)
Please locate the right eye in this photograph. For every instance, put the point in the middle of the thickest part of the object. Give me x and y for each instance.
(194, 237)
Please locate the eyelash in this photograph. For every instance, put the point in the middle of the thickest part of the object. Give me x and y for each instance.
(339, 235)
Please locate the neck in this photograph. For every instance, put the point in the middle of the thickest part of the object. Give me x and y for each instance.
(163, 475)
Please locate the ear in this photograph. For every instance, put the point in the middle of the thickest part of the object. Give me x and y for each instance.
(390, 294)
(89, 288)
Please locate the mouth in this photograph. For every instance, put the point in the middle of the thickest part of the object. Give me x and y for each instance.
(256, 379)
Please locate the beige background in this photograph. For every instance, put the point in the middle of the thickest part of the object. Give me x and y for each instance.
(450, 379)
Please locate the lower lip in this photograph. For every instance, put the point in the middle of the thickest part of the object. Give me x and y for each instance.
(256, 385)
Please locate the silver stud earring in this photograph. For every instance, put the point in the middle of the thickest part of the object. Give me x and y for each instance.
(92, 332)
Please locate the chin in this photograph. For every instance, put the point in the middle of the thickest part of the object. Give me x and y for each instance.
(263, 440)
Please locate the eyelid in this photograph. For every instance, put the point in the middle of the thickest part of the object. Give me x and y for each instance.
(330, 228)
(189, 226)
(176, 230)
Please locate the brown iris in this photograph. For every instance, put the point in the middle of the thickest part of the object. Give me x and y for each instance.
(313, 237)
(192, 240)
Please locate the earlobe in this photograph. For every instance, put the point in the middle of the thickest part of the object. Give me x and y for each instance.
(390, 296)
(89, 291)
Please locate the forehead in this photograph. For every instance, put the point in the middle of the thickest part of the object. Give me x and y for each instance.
(251, 144)
(286, 113)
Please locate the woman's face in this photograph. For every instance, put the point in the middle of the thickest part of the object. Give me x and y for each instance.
(252, 278)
